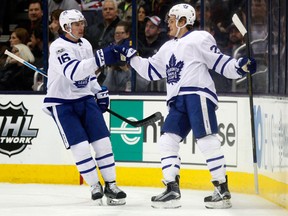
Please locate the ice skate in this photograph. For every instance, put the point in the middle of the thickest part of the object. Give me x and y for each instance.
(97, 193)
(114, 195)
(170, 198)
(220, 199)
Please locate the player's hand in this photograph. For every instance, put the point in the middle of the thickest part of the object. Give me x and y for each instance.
(103, 99)
(125, 50)
(246, 65)
(106, 56)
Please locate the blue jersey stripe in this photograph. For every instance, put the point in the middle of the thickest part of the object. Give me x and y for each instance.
(224, 65)
(67, 65)
(153, 69)
(62, 101)
(217, 62)
(193, 89)
(74, 69)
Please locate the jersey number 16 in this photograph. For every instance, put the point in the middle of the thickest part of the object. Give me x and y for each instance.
(64, 58)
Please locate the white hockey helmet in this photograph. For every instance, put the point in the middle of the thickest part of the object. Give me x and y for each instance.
(67, 17)
(183, 10)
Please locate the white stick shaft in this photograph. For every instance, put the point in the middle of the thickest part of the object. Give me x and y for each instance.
(17, 58)
(239, 24)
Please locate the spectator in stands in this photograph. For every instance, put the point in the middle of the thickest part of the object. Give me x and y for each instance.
(147, 47)
(235, 40)
(102, 34)
(15, 75)
(125, 10)
(19, 35)
(223, 84)
(62, 4)
(35, 14)
(118, 77)
(142, 12)
(36, 45)
(55, 25)
(219, 20)
(161, 7)
(208, 25)
(153, 37)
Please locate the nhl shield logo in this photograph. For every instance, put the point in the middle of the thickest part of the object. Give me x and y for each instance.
(15, 131)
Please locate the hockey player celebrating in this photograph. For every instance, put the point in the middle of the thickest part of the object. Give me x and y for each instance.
(192, 100)
(72, 87)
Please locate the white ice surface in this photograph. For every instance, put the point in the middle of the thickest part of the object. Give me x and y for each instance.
(56, 200)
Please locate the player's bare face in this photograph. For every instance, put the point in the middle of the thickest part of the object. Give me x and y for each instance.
(77, 29)
(172, 26)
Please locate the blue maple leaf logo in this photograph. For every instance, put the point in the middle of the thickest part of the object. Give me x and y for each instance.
(173, 70)
(82, 83)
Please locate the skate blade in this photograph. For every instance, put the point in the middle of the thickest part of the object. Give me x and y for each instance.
(222, 204)
(98, 202)
(115, 202)
(171, 204)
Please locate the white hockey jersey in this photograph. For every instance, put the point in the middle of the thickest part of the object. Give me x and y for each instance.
(71, 72)
(184, 62)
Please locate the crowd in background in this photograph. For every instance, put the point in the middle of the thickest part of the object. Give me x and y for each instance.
(110, 22)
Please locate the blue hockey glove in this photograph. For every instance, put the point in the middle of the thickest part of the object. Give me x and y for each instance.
(103, 99)
(106, 56)
(125, 49)
(246, 65)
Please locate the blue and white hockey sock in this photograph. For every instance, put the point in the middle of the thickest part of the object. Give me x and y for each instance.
(85, 163)
(105, 159)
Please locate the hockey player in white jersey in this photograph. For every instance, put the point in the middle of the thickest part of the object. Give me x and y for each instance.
(71, 91)
(192, 100)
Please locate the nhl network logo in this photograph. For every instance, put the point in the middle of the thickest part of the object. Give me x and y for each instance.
(15, 133)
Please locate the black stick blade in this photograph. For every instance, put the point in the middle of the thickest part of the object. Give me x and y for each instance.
(144, 122)
(147, 121)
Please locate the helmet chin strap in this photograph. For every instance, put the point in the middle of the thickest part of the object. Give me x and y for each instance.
(70, 32)
(73, 36)
(179, 28)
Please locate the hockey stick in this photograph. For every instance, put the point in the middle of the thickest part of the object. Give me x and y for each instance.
(17, 58)
(144, 122)
(245, 34)
(147, 121)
